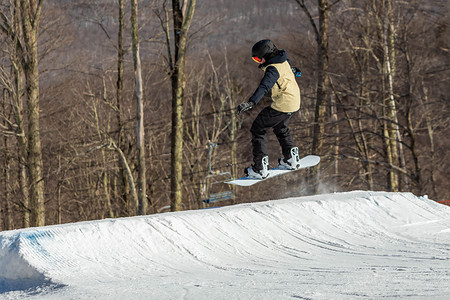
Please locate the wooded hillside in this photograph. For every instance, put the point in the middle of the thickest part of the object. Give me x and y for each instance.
(375, 102)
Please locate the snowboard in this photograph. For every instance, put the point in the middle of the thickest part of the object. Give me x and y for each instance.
(305, 162)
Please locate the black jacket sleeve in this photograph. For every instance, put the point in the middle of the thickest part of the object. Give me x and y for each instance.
(270, 78)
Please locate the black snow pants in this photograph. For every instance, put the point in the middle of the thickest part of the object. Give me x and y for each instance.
(270, 118)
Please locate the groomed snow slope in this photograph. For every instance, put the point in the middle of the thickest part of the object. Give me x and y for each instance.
(357, 245)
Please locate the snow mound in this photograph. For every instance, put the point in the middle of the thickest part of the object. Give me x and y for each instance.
(340, 246)
(16, 271)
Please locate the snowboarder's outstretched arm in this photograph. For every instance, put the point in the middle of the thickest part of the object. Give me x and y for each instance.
(270, 78)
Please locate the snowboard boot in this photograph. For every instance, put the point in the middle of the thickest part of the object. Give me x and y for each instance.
(259, 174)
(292, 163)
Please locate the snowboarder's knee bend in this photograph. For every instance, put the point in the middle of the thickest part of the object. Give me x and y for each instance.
(282, 132)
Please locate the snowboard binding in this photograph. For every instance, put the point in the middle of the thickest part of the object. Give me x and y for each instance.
(259, 174)
(292, 163)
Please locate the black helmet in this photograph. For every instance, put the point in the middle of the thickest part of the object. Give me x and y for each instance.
(263, 49)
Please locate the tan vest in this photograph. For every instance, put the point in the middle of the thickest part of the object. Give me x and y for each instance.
(285, 92)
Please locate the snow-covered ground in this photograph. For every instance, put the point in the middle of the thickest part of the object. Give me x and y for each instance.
(357, 245)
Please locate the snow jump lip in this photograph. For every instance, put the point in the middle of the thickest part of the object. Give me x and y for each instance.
(314, 247)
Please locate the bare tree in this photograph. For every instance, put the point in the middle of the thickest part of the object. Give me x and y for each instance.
(124, 190)
(14, 119)
(6, 208)
(22, 30)
(182, 13)
(139, 95)
(30, 11)
(321, 33)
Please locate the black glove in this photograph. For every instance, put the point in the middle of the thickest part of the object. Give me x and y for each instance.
(296, 71)
(244, 107)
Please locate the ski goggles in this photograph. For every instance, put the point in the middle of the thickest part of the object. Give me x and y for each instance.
(257, 59)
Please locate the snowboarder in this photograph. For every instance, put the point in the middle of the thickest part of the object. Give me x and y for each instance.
(279, 79)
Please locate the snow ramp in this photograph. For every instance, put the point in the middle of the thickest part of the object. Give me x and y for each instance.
(355, 245)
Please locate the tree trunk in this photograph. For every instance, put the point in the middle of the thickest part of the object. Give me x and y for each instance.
(124, 187)
(7, 209)
(334, 118)
(233, 142)
(178, 78)
(392, 133)
(22, 153)
(323, 83)
(323, 94)
(410, 126)
(30, 11)
(139, 95)
(430, 131)
(104, 175)
(126, 167)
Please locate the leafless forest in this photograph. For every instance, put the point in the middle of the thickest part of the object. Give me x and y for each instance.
(109, 108)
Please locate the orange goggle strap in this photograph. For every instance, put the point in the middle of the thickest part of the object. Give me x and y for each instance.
(257, 59)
